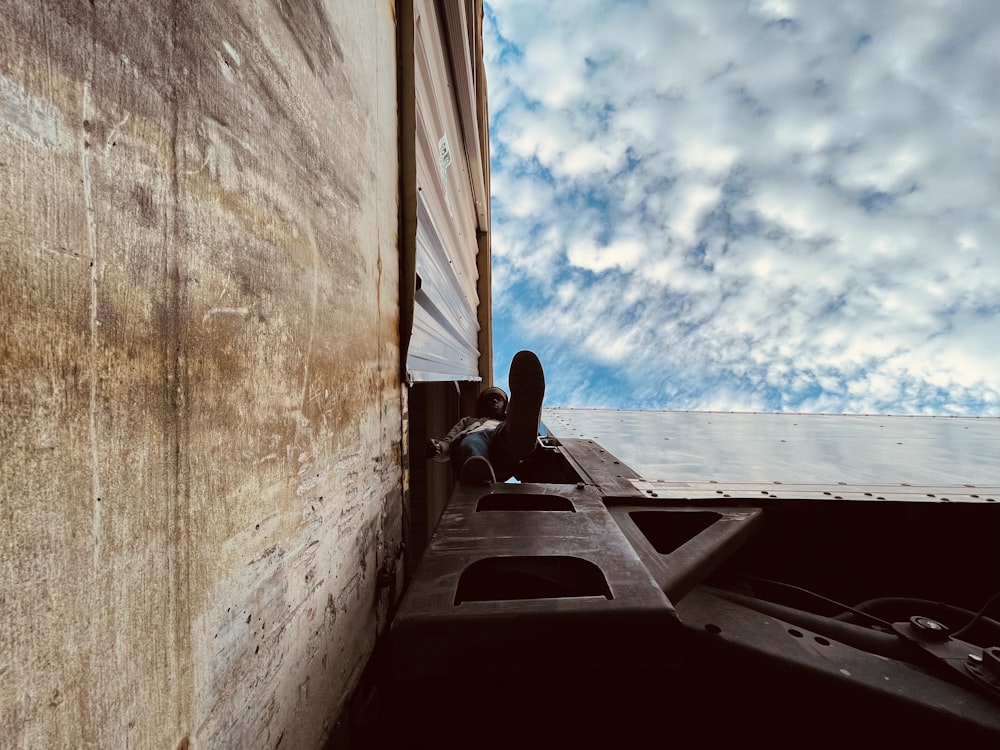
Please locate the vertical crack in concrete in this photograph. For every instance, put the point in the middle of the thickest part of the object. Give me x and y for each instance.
(313, 317)
(88, 202)
(177, 388)
(48, 54)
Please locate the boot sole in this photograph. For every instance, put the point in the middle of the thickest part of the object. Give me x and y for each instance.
(524, 412)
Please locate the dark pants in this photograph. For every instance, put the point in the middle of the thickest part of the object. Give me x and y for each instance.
(490, 444)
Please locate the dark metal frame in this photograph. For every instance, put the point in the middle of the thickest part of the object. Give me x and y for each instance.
(697, 644)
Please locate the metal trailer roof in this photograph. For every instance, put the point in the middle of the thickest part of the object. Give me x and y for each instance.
(863, 457)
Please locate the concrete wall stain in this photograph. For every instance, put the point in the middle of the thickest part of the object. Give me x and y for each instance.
(198, 368)
(309, 26)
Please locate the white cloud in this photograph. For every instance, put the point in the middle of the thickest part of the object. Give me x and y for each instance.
(778, 205)
(697, 201)
(588, 159)
(619, 254)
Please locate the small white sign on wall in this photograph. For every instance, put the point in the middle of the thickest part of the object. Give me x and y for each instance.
(444, 161)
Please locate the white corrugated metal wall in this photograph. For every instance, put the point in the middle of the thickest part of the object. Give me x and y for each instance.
(452, 196)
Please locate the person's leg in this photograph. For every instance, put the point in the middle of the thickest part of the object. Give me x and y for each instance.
(471, 458)
(524, 411)
(473, 444)
(501, 458)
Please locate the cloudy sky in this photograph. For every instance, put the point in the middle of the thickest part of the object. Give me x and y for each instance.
(741, 205)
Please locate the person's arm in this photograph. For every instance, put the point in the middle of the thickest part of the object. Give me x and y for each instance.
(440, 450)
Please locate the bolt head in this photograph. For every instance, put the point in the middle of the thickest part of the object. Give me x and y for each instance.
(928, 629)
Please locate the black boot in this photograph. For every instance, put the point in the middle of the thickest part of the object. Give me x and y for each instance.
(524, 412)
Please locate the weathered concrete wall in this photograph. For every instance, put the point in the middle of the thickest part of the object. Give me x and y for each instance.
(199, 367)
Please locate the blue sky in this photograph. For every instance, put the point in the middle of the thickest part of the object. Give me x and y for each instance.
(749, 206)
